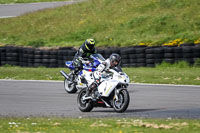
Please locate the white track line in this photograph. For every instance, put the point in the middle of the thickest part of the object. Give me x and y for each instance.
(30, 80)
(7, 16)
(34, 3)
(165, 85)
(55, 81)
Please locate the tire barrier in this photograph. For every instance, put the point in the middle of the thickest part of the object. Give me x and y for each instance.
(131, 56)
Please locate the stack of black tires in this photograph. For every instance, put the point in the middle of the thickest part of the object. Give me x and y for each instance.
(131, 56)
(188, 54)
(49, 58)
(154, 56)
(65, 54)
(108, 51)
(2, 56)
(9, 55)
(38, 58)
(150, 56)
(196, 53)
(169, 54)
(125, 57)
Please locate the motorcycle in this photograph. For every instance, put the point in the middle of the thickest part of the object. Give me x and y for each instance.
(110, 93)
(74, 81)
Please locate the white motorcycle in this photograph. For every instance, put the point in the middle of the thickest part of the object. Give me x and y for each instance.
(111, 91)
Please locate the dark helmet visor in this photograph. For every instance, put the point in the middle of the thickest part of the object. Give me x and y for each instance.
(90, 46)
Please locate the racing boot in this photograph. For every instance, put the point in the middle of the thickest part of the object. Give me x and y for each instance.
(93, 91)
(90, 91)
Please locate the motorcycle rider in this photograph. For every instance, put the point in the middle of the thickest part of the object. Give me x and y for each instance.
(113, 62)
(85, 50)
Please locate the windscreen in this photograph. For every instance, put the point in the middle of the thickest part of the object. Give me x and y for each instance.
(118, 69)
(98, 56)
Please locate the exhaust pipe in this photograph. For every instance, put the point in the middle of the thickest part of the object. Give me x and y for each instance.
(64, 74)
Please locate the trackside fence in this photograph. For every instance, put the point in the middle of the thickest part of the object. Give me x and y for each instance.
(131, 56)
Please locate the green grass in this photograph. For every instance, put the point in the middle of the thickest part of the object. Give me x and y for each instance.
(109, 125)
(110, 22)
(26, 1)
(165, 73)
(41, 73)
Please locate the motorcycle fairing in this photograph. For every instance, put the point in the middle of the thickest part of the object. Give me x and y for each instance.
(70, 65)
(106, 87)
(90, 67)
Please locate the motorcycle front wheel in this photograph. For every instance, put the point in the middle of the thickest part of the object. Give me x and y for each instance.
(122, 103)
(69, 87)
(84, 105)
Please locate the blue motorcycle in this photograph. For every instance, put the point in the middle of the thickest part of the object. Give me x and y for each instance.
(73, 81)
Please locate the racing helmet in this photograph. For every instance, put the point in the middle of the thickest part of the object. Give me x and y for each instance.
(89, 44)
(115, 60)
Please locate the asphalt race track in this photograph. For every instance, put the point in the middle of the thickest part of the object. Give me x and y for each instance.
(13, 10)
(45, 98)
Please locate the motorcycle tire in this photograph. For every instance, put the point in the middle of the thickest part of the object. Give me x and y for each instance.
(121, 105)
(84, 106)
(71, 88)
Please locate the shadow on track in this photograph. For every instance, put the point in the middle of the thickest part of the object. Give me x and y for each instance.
(129, 110)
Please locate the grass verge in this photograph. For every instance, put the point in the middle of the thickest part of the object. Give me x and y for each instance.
(108, 125)
(165, 73)
(110, 22)
(26, 1)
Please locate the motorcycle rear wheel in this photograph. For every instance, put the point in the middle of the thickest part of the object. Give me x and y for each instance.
(122, 104)
(69, 88)
(84, 105)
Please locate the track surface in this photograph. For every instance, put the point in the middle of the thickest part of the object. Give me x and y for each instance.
(44, 98)
(13, 10)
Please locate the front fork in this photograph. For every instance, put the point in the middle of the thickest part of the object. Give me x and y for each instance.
(117, 91)
(117, 94)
